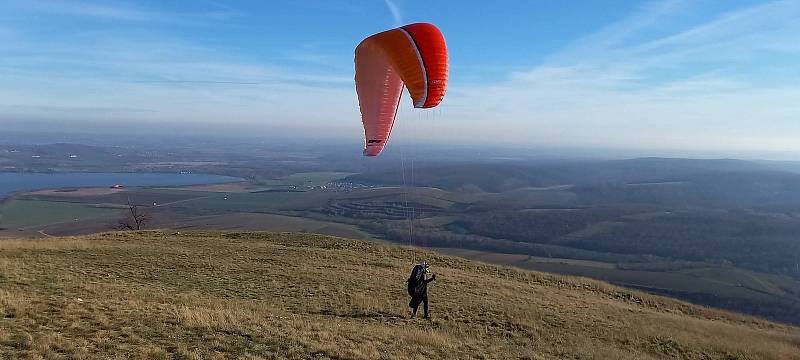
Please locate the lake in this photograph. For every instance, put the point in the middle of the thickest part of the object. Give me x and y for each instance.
(11, 182)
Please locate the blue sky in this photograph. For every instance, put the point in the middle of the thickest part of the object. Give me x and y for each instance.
(670, 74)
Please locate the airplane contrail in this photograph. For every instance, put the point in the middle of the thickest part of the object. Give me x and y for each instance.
(398, 18)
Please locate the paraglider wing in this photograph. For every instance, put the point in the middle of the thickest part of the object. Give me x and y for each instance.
(414, 56)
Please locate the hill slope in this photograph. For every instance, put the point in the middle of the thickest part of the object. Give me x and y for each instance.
(266, 295)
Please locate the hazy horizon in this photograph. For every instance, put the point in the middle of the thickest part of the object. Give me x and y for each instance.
(178, 137)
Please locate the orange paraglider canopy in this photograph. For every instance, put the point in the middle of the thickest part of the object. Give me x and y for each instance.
(414, 56)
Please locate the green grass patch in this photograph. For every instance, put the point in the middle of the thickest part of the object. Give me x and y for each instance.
(25, 214)
(273, 222)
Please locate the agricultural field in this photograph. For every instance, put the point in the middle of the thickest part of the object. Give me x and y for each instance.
(260, 222)
(34, 214)
(141, 196)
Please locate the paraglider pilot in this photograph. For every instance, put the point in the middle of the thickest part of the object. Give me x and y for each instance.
(418, 287)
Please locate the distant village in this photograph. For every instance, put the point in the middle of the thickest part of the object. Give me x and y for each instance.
(340, 186)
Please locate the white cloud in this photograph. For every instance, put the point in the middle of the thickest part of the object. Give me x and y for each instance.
(608, 37)
(704, 87)
(109, 75)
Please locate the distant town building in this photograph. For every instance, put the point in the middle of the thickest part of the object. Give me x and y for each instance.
(117, 186)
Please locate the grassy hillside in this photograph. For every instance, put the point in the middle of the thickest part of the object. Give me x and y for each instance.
(265, 295)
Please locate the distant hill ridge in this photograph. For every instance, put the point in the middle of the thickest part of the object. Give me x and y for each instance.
(160, 294)
(500, 176)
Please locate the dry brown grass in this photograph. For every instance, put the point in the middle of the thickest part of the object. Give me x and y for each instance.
(212, 295)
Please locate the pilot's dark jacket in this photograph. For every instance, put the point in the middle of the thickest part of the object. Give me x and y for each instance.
(418, 288)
